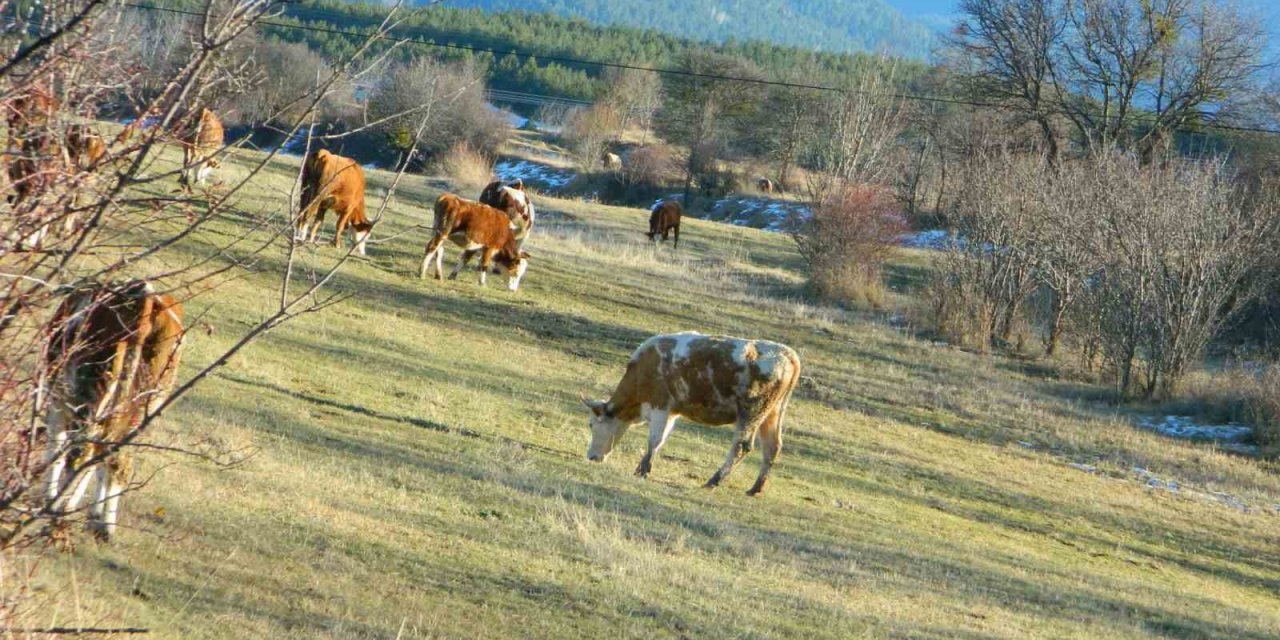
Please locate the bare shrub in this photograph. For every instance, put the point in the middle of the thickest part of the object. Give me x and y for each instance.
(279, 73)
(653, 166)
(466, 166)
(847, 241)
(589, 131)
(860, 126)
(448, 97)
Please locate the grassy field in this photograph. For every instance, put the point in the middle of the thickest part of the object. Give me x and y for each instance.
(418, 469)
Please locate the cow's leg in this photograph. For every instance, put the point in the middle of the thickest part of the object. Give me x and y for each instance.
(661, 422)
(105, 511)
(676, 244)
(433, 247)
(57, 437)
(202, 174)
(316, 222)
(344, 218)
(743, 434)
(771, 446)
(486, 261)
(463, 259)
(77, 494)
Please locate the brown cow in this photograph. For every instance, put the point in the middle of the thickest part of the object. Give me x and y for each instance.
(113, 360)
(713, 380)
(85, 147)
(28, 112)
(513, 199)
(476, 228)
(331, 181)
(766, 185)
(664, 219)
(201, 139)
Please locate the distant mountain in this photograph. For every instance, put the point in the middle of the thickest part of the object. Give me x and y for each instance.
(827, 25)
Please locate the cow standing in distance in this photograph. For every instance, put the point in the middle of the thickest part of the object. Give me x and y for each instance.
(113, 361)
(202, 138)
(611, 161)
(476, 228)
(708, 379)
(766, 186)
(331, 181)
(513, 199)
(664, 219)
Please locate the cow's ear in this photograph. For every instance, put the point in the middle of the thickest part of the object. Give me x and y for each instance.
(597, 407)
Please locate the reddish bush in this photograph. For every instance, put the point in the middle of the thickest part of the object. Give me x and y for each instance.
(847, 240)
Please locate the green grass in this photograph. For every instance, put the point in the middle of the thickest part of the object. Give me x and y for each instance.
(419, 470)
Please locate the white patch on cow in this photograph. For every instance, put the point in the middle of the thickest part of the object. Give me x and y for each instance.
(740, 353)
(361, 238)
(683, 342)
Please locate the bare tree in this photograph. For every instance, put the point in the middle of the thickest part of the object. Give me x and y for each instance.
(704, 112)
(114, 216)
(861, 125)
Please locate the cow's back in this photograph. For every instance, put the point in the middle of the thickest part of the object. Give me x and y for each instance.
(209, 134)
(710, 378)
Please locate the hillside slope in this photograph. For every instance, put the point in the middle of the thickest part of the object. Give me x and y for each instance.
(418, 470)
(827, 25)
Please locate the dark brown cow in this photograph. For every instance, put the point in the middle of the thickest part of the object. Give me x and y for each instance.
(113, 359)
(766, 185)
(664, 219)
(513, 199)
(331, 181)
(476, 228)
(201, 139)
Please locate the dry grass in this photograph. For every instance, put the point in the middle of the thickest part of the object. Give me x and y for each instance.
(466, 167)
(419, 472)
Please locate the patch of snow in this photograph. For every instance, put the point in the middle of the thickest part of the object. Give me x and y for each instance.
(544, 177)
(1087, 468)
(514, 119)
(936, 239)
(762, 213)
(1155, 482)
(1185, 427)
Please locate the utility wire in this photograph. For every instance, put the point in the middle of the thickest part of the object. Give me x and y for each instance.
(663, 71)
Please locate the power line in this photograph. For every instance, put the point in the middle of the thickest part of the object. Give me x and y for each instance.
(667, 71)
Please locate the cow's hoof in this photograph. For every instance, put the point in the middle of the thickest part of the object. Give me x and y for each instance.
(713, 482)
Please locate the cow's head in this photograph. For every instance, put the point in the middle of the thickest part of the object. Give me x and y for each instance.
(606, 429)
(515, 269)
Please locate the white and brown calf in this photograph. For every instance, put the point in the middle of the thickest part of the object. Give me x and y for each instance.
(708, 379)
(476, 228)
(113, 360)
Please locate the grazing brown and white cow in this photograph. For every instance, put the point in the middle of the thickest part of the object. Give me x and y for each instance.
(331, 181)
(664, 219)
(476, 228)
(611, 161)
(513, 199)
(713, 380)
(766, 185)
(113, 359)
(201, 139)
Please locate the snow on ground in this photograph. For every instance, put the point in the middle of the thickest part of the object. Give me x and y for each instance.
(541, 176)
(936, 239)
(1155, 482)
(760, 213)
(1185, 427)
